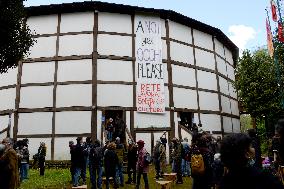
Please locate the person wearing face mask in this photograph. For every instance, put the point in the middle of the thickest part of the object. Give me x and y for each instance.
(236, 154)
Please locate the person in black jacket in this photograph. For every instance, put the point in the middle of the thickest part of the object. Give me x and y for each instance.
(78, 161)
(236, 154)
(96, 164)
(111, 161)
(131, 162)
(41, 158)
(256, 145)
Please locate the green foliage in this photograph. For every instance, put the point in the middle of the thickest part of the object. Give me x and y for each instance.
(245, 121)
(16, 37)
(257, 84)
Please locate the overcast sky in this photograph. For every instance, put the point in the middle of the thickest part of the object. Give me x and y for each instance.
(243, 21)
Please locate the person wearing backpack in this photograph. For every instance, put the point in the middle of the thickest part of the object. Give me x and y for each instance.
(96, 164)
(142, 166)
(201, 163)
(177, 158)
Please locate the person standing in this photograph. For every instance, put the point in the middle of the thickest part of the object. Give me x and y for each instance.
(131, 162)
(23, 155)
(78, 161)
(96, 165)
(10, 166)
(185, 167)
(110, 129)
(120, 154)
(111, 161)
(41, 158)
(142, 167)
(177, 159)
(256, 145)
(157, 158)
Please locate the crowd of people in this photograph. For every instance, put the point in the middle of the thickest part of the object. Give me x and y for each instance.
(230, 163)
(14, 162)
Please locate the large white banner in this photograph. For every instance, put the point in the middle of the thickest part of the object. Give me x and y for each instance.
(150, 96)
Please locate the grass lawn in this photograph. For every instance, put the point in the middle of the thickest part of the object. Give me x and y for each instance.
(60, 178)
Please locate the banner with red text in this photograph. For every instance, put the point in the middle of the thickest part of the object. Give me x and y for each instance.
(150, 95)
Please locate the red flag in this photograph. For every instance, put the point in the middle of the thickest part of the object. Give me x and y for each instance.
(280, 32)
(269, 39)
(273, 10)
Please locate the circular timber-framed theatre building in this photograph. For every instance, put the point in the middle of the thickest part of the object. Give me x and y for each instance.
(157, 69)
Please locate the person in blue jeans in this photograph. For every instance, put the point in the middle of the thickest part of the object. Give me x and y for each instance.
(78, 161)
(120, 154)
(23, 155)
(96, 165)
(110, 129)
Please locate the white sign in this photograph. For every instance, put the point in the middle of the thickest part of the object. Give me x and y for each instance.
(150, 96)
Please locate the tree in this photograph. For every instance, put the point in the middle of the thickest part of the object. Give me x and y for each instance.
(16, 38)
(258, 87)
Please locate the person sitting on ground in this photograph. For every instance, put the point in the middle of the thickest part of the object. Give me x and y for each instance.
(236, 154)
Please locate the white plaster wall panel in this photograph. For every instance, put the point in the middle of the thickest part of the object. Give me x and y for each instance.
(163, 28)
(35, 123)
(180, 32)
(127, 121)
(223, 85)
(61, 148)
(204, 59)
(74, 70)
(36, 97)
(185, 98)
(44, 24)
(176, 123)
(76, 122)
(183, 76)
(231, 72)
(146, 137)
(203, 40)
(74, 95)
(76, 45)
(114, 45)
(4, 121)
(227, 124)
(145, 120)
(236, 125)
(195, 118)
(221, 65)
(99, 125)
(235, 107)
(181, 53)
(115, 95)
(114, 70)
(9, 78)
(37, 72)
(225, 102)
(210, 122)
(167, 98)
(206, 80)
(232, 90)
(114, 22)
(219, 48)
(43, 47)
(185, 134)
(7, 97)
(2, 136)
(164, 49)
(166, 80)
(208, 101)
(229, 56)
(77, 22)
(34, 145)
(157, 137)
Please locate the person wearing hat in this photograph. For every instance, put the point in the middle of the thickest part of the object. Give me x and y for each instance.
(142, 167)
